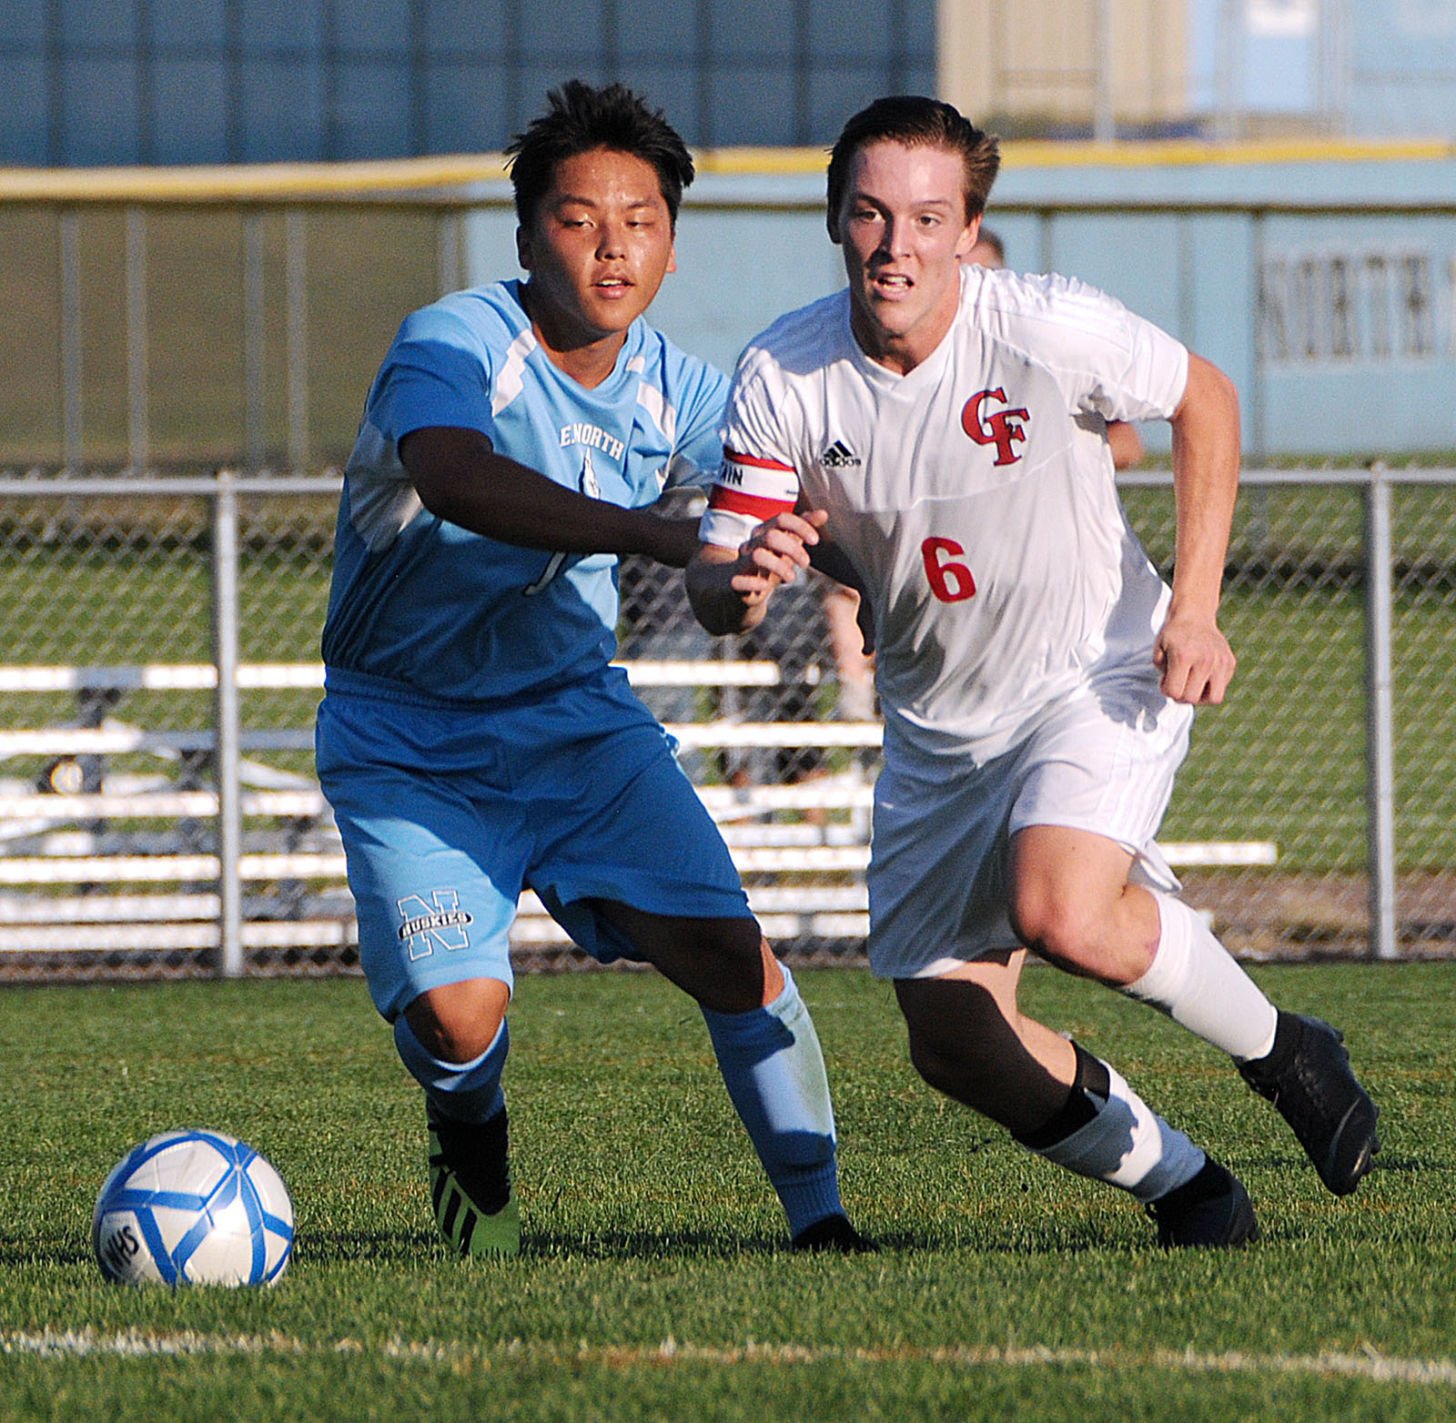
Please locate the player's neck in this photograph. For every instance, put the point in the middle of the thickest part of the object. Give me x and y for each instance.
(588, 365)
(588, 357)
(896, 351)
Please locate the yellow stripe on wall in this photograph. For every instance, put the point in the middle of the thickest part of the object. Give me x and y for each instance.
(259, 181)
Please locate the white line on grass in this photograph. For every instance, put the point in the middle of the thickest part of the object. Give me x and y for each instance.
(1380, 1368)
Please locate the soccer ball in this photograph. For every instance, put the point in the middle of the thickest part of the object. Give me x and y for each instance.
(193, 1208)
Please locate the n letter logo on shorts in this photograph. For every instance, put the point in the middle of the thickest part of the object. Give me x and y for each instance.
(441, 922)
(1002, 428)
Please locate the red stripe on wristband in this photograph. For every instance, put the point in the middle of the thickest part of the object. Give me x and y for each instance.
(756, 462)
(735, 501)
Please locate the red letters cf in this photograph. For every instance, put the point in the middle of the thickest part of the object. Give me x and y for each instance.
(1001, 428)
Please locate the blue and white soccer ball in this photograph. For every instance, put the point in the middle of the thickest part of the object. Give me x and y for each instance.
(193, 1208)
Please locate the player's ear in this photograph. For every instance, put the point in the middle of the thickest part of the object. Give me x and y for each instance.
(831, 222)
(967, 240)
(523, 249)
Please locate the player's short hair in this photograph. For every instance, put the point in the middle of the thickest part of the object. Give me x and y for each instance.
(581, 118)
(915, 121)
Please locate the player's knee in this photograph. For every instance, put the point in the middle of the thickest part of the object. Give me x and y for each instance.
(939, 1069)
(1084, 937)
(955, 1073)
(458, 1021)
(738, 943)
(734, 970)
(1060, 930)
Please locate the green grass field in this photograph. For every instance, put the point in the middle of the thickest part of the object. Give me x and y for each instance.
(655, 1283)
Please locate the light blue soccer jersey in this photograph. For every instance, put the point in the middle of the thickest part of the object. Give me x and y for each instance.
(451, 614)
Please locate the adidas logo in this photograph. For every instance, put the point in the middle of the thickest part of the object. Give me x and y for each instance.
(839, 456)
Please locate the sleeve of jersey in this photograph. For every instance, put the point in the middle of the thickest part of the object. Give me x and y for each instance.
(755, 481)
(748, 491)
(1155, 377)
(1107, 358)
(432, 376)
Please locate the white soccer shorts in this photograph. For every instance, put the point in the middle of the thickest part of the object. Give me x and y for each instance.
(1103, 761)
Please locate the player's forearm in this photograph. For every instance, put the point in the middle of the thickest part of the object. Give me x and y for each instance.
(827, 558)
(1205, 482)
(717, 605)
(459, 477)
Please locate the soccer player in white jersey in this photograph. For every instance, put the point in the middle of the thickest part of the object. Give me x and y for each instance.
(474, 739)
(936, 434)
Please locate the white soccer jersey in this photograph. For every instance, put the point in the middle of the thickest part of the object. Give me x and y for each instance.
(974, 496)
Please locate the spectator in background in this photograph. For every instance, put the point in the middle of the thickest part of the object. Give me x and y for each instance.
(988, 251)
(852, 645)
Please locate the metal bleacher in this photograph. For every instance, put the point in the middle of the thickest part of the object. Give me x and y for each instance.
(96, 861)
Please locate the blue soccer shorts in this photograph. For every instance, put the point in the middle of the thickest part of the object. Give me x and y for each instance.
(448, 813)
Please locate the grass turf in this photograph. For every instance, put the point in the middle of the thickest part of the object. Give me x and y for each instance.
(656, 1283)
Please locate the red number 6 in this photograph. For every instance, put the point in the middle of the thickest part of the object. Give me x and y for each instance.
(950, 581)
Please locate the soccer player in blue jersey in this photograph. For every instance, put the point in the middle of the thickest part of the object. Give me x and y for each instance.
(474, 739)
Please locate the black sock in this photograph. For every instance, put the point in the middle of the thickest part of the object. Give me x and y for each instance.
(479, 1155)
(1211, 1181)
(1087, 1095)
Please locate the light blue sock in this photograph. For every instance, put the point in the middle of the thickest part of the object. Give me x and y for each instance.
(463, 1091)
(774, 1072)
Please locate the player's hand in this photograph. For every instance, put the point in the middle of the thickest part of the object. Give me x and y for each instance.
(1195, 659)
(776, 552)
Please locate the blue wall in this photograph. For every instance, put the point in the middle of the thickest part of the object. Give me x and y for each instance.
(1402, 67)
(118, 82)
(1339, 328)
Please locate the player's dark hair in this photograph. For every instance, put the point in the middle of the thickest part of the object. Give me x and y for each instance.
(915, 121)
(582, 118)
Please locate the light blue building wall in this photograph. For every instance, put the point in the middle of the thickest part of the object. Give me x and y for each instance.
(1402, 67)
(1339, 325)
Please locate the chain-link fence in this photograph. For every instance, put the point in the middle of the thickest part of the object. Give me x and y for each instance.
(110, 824)
(1337, 741)
(122, 766)
(155, 815)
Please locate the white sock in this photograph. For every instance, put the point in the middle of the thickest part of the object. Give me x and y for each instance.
(1128, 1144)
(1199, 984)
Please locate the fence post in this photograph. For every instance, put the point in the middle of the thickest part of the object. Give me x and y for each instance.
(73, 450)
(295, 241)
(227, 756)
(1379, 717)
(255, 344)
(138, 417)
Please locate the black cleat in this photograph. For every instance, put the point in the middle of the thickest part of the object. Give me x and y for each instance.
(1212, 1210)
(1308, 1078)
(833, 1235)
(470, 1186)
